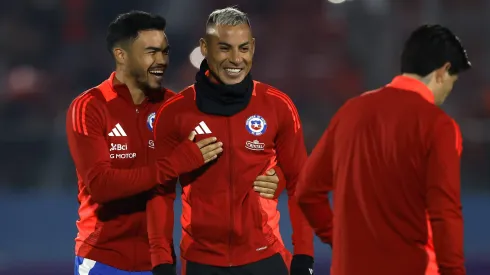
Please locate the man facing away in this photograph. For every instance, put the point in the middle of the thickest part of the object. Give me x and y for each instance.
(392, 158)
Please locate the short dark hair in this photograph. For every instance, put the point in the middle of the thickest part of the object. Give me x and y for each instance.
(126, 27)
(429, 47)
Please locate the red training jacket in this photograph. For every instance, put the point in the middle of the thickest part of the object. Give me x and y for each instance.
(111, 143)
(393, 160)
(224, 221)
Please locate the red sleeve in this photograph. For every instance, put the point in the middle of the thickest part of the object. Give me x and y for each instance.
(291, 155)
(160, 208)
(443, 197)
(160, 224)
(85, 127)
(175, 155)
(316, 180)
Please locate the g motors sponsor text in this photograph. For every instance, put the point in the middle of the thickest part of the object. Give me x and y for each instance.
(123, 156)
(116, 147)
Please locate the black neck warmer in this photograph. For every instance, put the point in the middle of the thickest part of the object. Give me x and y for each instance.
(219, 98)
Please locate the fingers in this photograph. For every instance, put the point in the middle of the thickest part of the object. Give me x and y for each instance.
(265, 192)
(211, 147)
(192, 135)
(273, 179)
(263, 184)
(211, 155)
(266, 196)
(270, 172)
(205, 141)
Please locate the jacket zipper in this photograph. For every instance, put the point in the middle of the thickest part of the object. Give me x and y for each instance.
(145, 150)
(230, 162)
(145, 144)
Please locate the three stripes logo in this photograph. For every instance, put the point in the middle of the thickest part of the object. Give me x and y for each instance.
(117, 131)
(202, 128)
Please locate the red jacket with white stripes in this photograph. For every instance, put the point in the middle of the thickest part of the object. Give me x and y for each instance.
(111, 142)
(224, 221)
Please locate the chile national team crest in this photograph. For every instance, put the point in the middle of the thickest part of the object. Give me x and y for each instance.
(150, 121)
(256, 125)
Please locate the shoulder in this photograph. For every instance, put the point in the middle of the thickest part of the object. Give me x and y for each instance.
(88, 101)
(177, 101)
(183, 97)
(86, 113)
(278, 97)
(283, 104)
(442, 119)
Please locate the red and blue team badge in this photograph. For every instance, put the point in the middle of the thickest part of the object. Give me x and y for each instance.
(150, 121)
(256, 125)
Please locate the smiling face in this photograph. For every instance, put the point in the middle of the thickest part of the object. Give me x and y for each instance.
(229, 51)
(146, 59)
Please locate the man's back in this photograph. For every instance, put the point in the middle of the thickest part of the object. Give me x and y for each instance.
(381, 146)
(392, 159)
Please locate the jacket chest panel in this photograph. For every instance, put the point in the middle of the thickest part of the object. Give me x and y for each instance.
(129, 134)
(247, 130)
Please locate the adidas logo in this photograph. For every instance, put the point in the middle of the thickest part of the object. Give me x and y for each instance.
(117, 132)
(311, 270)
(202, 128)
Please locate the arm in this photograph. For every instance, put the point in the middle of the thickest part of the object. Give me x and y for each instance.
(316, 180)
(270, 184)
(85, 127)
(160, 207)
(160, 224)
(291, 155)
(443, 197)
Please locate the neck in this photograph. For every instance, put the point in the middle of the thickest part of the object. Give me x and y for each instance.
(425, 80)
(137, 94)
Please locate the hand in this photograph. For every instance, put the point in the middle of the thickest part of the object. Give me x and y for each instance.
(302, 265)
(164, 269)
(210, 149)
(266, 184)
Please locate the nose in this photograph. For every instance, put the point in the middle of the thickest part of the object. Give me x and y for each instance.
(161, 58)
(236, 57)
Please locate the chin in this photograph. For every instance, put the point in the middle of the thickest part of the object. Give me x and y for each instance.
(232, 81)
(155, 86)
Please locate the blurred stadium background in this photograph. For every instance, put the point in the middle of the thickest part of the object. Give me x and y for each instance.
(319, 52)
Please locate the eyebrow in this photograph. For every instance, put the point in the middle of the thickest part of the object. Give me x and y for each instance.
(157, 49)
(228, 45)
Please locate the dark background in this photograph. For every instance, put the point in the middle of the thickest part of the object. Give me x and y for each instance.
(318, 52)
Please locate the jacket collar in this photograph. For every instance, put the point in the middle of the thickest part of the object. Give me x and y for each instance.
(411, 84)
(121, 89)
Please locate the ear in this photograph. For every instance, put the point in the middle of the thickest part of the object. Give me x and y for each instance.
(204, 47)
(447, 66)
(442, 72)
(252, 46)
(119, 55)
